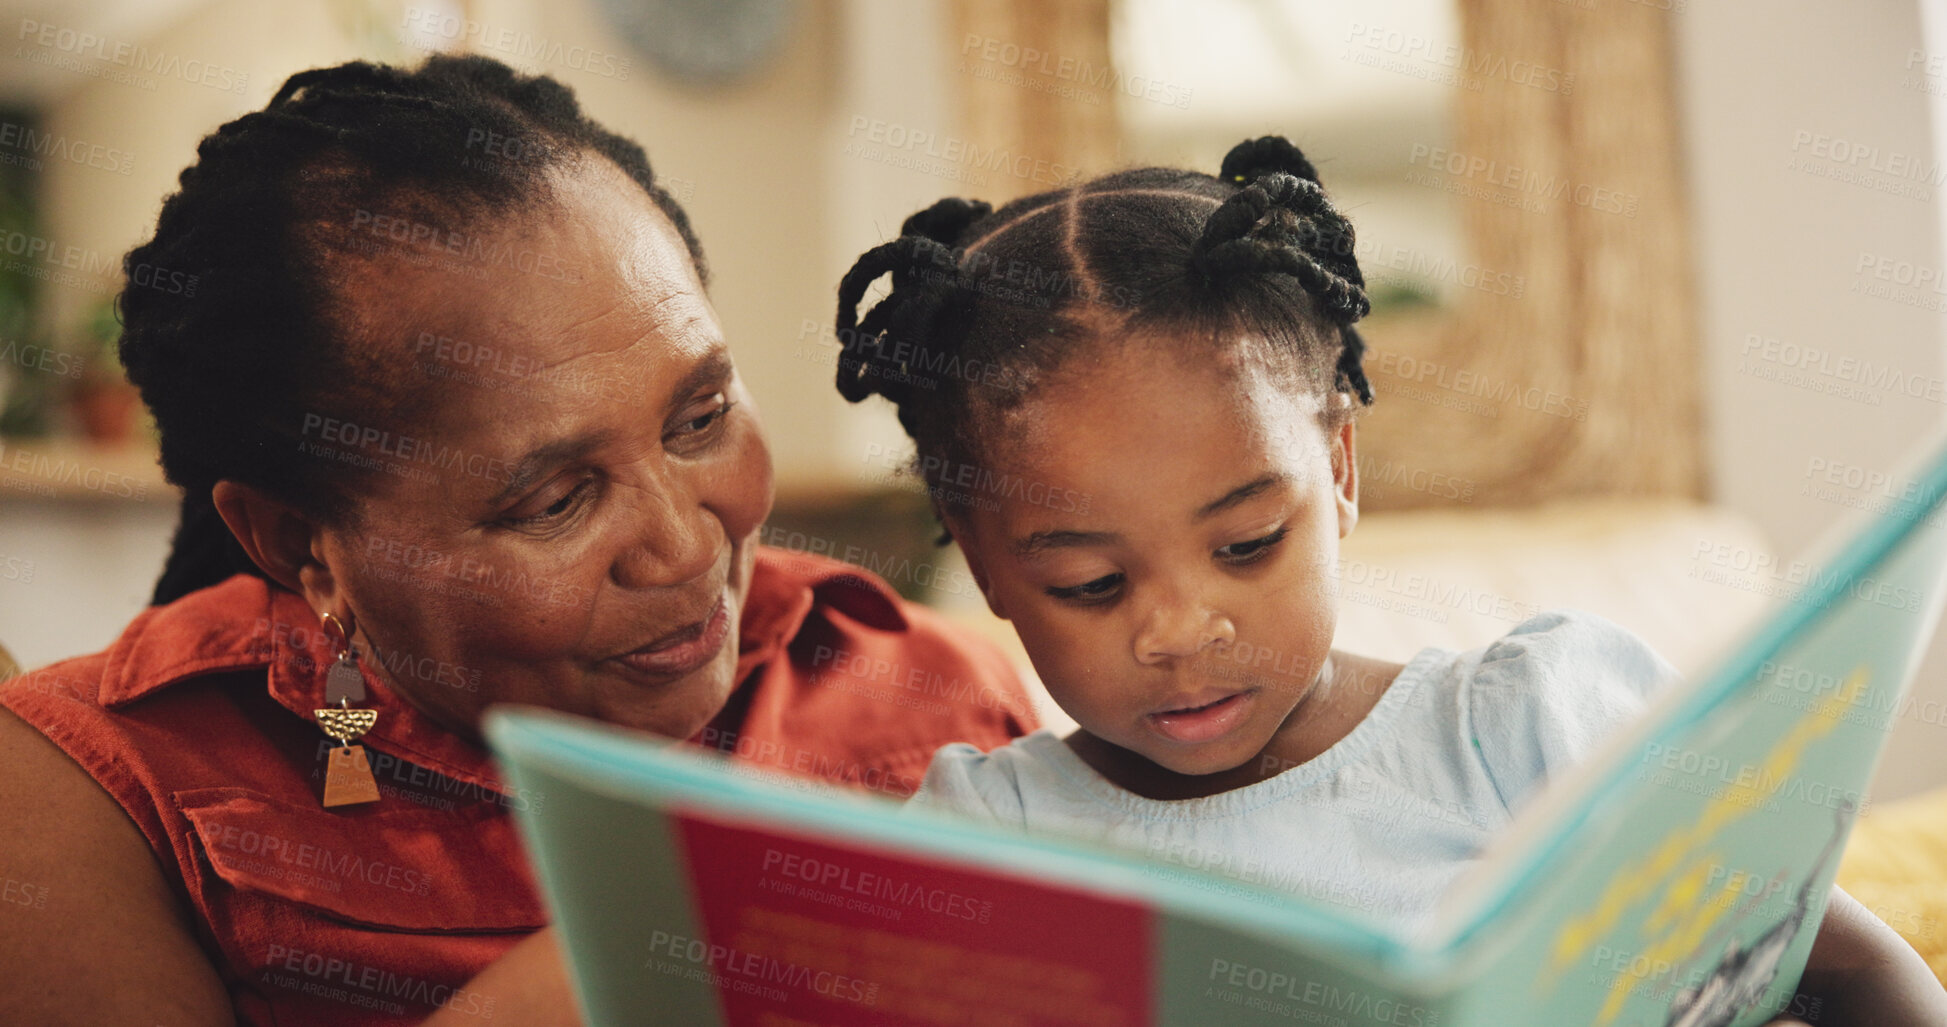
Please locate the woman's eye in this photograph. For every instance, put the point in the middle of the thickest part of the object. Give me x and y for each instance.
(719, 405)
(1088, 591)
(1247, 552)
(557, 510)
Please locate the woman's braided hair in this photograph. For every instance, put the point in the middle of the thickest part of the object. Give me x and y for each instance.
(256, 245)
(984, 301)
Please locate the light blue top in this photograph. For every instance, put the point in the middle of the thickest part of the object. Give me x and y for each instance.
(1386, 818)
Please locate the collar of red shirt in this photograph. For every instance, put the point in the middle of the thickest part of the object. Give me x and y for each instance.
(246, 624)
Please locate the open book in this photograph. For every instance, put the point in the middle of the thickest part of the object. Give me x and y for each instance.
(1675, 879)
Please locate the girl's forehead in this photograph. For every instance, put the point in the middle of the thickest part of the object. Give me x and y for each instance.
(1140, 394)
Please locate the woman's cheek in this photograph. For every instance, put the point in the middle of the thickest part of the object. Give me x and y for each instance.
(742, 487)
(568, 565)
(544, 590)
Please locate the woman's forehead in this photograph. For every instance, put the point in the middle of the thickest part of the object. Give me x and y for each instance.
(591, 275)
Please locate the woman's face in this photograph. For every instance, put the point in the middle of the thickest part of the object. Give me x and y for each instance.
(561, 509)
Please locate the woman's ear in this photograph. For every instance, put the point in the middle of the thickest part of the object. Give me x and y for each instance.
(1345, 476)
(963, 536)
(279, 539)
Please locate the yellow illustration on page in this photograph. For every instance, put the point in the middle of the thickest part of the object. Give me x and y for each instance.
(1678, 865)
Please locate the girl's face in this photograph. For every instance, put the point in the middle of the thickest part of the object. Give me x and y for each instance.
(1175, 592)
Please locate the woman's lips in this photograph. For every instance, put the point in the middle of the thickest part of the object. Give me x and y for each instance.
(1201, 718)
(685, 649)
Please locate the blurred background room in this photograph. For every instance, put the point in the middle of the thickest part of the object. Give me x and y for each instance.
(1657, 283)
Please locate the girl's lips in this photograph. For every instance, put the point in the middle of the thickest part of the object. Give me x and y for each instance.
(683, 651)
(1202, 723)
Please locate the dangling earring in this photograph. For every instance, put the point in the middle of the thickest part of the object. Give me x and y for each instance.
(348, 775)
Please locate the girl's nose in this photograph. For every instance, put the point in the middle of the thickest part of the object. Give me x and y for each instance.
(1181, 628)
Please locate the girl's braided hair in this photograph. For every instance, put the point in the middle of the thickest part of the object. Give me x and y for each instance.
(984, 301)
(249, 336)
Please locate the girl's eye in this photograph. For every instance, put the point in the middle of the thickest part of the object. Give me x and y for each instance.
(557, 511)
(1238, 553)
(1087, 592)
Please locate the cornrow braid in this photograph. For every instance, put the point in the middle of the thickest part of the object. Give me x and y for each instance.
(946, 221)
(230, 366)
(866, 364)
(926, 274)
(1257, 251)
(1255, 230)
(1316, 246)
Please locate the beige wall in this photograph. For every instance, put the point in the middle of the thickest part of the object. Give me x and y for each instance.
(108, 213)
(1778, 256)
(1778, 247)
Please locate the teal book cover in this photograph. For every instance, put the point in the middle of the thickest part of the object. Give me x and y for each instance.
(1676, 880)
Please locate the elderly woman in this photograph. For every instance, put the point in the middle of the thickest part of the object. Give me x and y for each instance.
(433, 362)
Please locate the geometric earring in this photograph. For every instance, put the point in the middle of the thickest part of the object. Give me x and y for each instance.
(348, 775)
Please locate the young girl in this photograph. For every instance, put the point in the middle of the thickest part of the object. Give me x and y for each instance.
(1133, 406)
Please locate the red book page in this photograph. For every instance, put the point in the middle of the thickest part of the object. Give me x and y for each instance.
(800, 932)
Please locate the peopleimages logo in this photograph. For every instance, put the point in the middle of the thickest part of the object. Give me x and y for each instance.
(1376, 257)
(452, 28)
(1869, 157)
(891, 136)
(46, 469)
(1084, 76)
(73, 43)
(366, 986)
(1287, 996)
(1843, 368)
(894, 893)
(1753, 570)
(1462, 66)
(1523, 182)
(721, 964)
(40, 358)
(1466, 382)
(56, 147)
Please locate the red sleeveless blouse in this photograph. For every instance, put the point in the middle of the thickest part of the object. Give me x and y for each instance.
(197, 720)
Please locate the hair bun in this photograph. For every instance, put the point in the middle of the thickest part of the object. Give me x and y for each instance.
(1254, 158)
(946, 221)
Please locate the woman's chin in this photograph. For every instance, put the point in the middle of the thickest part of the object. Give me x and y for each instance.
(678, 709)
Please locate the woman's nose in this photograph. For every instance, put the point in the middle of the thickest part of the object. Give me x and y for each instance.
(676, 539)
(1181, 626)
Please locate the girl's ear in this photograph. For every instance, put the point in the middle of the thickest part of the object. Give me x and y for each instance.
(1345, 476)
(963, 536)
